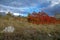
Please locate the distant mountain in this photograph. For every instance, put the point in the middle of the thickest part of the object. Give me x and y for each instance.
(2, 13)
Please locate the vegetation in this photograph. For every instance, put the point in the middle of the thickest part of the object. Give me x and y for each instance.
(28, 31)
(42, 18)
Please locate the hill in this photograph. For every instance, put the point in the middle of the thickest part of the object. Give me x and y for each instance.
(29, 30)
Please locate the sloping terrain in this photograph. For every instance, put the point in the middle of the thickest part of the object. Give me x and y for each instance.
(29, 31)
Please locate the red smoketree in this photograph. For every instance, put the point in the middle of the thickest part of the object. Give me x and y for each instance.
(41, 18)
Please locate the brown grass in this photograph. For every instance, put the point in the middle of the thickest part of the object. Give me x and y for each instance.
(29, 31)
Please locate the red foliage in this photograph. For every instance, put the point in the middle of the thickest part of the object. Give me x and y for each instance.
(41, 18)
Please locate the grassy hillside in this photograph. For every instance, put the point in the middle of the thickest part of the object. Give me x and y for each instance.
(30, 31)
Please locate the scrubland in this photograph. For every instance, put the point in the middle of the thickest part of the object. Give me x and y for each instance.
(28, 31)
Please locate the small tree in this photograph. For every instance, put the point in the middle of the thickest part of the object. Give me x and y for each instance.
(19, 16)
(9, 14)
(28, 17)
(28, 14)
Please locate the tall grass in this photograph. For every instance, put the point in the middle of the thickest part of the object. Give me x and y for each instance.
(28, 31)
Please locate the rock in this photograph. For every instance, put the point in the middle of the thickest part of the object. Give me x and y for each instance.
(9, 29)
(49, 35)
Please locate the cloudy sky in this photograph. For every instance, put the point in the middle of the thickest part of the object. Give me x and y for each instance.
(24, 7)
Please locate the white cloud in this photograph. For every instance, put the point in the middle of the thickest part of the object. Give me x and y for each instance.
(9, 8)
(53, 3)
(16, 4)
(1, 10)
(33, 4)
(16, 14)
(43, 1)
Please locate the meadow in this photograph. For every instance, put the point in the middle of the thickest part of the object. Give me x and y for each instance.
(28, 31)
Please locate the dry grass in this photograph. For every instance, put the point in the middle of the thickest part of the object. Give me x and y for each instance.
(29, 31)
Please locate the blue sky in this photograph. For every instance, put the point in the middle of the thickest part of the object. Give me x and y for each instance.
(23, 7)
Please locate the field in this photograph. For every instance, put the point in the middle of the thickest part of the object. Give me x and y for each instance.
(28, 31)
